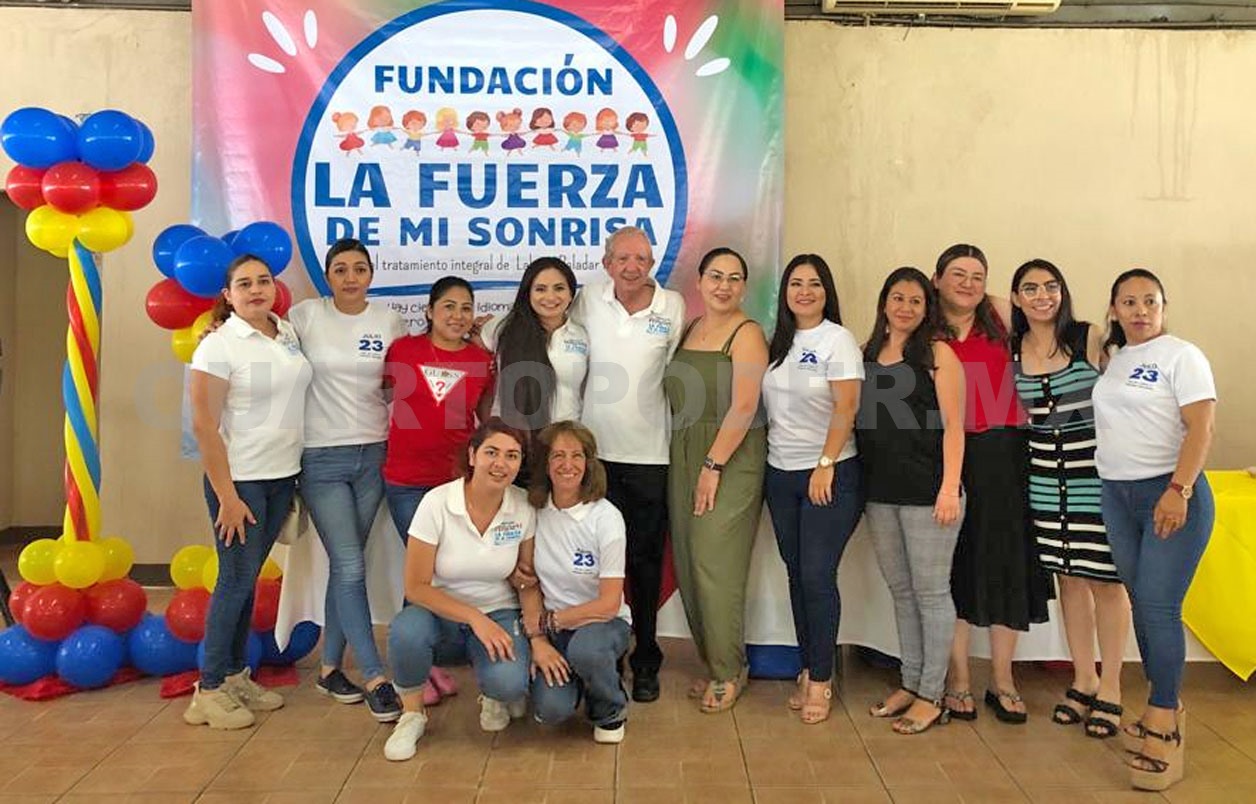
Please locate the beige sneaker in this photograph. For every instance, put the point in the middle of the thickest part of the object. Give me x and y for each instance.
(218, 709)
(251, 694)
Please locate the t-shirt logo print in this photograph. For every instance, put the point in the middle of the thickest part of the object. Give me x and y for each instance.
(809, 356)
(440, 381)
(1145, 375)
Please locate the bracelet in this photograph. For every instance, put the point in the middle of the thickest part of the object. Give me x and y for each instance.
(709, 463)
(551, 623)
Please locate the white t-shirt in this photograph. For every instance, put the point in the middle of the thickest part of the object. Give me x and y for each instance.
(345, 404)
(1138, 402)
(471, 566)
(624, 404)
(575, 548)
(263, 418)
(568, 353)
(799, 400)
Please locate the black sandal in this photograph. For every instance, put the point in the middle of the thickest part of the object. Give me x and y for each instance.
(1101, 728)
(1066, 715)
(995, 701)
(961, 696)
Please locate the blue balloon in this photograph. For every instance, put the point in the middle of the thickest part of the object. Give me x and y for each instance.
(303, 640)
(270, 648)
(90, 656)
(110, 140)
(200, 265)
(253, 653)
(23, 658)
(167, 245)
(229, 237)
(149, 145)
(156, 651)
(268, 242)
(38, 138)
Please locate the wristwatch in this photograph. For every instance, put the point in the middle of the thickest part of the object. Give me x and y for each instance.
(1185, 491)
(826, 462)
(709, 463)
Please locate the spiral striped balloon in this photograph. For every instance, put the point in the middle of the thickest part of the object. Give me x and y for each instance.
(80, 391)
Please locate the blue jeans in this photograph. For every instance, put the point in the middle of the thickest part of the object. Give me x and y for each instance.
(592, 651)
(343, 487)
(231, 605)
(811, 539)
(1157, 572)
(417, 639)
(403, 501)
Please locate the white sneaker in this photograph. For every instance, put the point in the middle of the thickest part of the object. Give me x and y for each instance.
(252, 695)
(494, 714)
(403, 742)
(218, 709)
(517, 709)
(611, 734)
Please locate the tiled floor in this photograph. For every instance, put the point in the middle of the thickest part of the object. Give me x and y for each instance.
(127, 744)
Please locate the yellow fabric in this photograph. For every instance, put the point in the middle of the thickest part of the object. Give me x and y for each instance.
(1220, 606)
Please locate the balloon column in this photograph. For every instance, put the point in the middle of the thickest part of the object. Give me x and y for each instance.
(80, 182)
(194, 571)
(195, 266)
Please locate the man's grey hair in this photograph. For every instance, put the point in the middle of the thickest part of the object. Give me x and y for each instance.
(623, 231)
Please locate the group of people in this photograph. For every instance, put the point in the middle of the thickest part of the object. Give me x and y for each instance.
(529, 464)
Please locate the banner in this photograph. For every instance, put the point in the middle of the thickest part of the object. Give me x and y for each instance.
(468, 137)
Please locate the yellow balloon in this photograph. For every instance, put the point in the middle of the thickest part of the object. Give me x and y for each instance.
(104, 229)
(202, 323)
(51, 229)
(119, 557)
(183, 343)
(35, 563)
(188, 566)
(209, 576)
(79, 564)
(271, 570)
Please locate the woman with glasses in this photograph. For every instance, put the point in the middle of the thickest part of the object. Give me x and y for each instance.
(715, 486)
(1056, 360)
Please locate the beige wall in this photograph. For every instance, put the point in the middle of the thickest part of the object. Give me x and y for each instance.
(8, 342)
(1096, 149)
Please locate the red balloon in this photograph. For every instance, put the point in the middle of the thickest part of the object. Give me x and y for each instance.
(128, 189)
(18, 598)
(185, 616)
(25, 185)
(72, 187)
(169, 306)
(54, 611)
(118, 605)
(265, 605)
(283, 298)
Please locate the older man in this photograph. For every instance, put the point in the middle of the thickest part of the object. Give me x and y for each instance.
(634, 326)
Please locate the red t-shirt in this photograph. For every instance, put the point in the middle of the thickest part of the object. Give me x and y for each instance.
(435, 394)
(990, 398)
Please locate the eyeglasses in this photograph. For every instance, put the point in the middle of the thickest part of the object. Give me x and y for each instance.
(718, 278)
(1032, 289)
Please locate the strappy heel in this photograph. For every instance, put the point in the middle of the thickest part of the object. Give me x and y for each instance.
(880, 709)
(797, 700)
(1101, 728)
(1159, 774)
(961, 696)
(907, 726)
(1065, 715)
(722, 698)
(814, 711)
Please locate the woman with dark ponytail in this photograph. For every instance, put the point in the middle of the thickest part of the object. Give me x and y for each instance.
(1154, 409)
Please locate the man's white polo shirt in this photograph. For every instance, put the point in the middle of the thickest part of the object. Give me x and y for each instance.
(471, 566)
(263, 418)
(624, 404)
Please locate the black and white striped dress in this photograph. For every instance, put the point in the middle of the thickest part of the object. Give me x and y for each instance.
(1064, 487)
